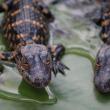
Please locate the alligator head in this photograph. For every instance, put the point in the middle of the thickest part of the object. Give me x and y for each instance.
(102, 71)
(34, 64)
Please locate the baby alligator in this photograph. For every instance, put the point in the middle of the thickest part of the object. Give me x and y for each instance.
(102, 68)
(26, 28)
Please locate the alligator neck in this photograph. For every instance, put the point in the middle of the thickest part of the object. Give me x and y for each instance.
(25, 43)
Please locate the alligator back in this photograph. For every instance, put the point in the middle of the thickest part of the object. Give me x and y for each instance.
(24, 22)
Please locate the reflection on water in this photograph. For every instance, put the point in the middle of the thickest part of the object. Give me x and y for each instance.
(102, 98)
(37, 94)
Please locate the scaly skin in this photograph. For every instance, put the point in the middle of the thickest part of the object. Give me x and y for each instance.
(102, 68)
(26, 27)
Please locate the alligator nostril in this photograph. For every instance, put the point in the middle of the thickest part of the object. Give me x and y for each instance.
(105, 87)
(108, 84)
(102, 87)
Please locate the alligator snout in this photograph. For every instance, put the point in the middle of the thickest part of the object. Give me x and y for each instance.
(102, 70)
(34, 64)
(102, 81)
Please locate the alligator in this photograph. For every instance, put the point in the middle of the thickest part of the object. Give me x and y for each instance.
(102, 67)
(26, 29)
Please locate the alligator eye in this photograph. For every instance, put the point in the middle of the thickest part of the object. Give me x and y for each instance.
(25, 66)
(98, 66)
(24, 63)
(48, 62)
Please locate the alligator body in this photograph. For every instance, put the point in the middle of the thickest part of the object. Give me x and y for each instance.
(26, 28)
(102, 68)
